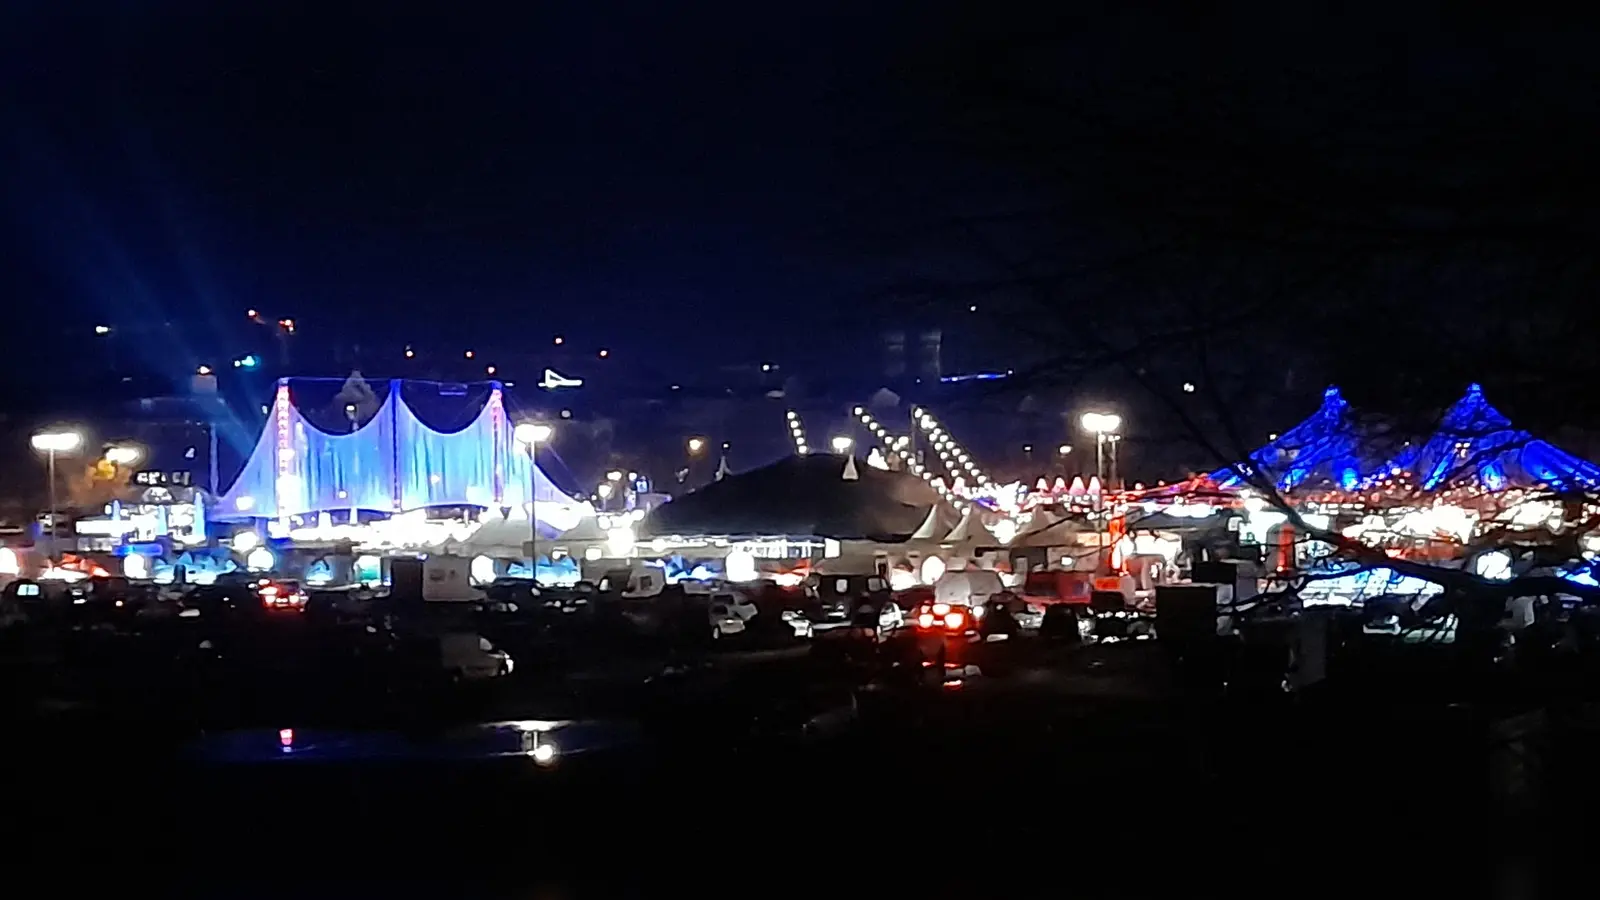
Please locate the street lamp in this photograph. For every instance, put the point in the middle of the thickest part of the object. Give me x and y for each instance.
(50, 443)
(842, 444)
(1104, 426)
(530, 435)
(696, 444)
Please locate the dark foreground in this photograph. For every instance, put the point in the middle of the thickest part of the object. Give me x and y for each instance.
(1003, 790)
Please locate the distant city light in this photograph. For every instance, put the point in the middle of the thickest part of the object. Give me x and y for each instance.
(247, 362)
(1027, 448)
(490, 370)
(696, 444)
(286, 325)
(102, 329)
(560, 340)
(250, 313)
(842, 444)
(203, 370)
(972, 308)
(1064, 449)
(410, 353)
(604, 353)
(766, 367)
(1188, 387)
(469, 354)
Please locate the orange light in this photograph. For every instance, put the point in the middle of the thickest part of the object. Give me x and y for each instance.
(940, 609)
(954, 620)
(925, 620)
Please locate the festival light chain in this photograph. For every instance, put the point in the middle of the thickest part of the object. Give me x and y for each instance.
(950, 453)
(897, 446)
(798, 433)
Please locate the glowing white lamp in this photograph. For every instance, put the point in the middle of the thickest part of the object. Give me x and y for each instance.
(260, 560)
(740, 566)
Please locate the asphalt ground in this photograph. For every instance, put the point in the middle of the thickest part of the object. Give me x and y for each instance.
(1090, 773)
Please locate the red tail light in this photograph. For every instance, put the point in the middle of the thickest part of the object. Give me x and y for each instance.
(925, 620)
(955, 621)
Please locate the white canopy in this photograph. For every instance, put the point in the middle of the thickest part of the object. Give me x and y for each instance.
(971, 530)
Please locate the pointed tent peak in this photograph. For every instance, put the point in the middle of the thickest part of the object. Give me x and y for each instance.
(1473, 413)
(1094, 484)
(1077, 488)
(929, 529)
(850, 472)
(722, 468)
(883, 398)
(1042, 486)
(970, 528)
(1061, 484)
(1333, 402)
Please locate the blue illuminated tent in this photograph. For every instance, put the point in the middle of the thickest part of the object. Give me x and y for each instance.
(1325, 448)
(392, 463)
(1476, 444)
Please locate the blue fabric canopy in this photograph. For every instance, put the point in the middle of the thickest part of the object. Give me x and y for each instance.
(1476, 443)
(392, 463)
(1326, 447)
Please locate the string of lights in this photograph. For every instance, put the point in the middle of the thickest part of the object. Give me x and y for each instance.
(797, 432)
(898, 447)
(950, 453)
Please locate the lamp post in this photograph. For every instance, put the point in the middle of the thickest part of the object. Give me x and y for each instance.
(50, 443)
(530, 435)
(1104, 426)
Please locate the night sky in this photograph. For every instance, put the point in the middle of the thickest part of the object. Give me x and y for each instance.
(594, 171)
(771, 183)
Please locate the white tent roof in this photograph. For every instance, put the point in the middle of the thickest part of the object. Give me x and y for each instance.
(1056, 534)
(929, 529)
(971, 530)
(587, 529)
(496, 536)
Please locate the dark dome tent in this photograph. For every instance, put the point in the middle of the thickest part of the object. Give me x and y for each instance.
(801, 495)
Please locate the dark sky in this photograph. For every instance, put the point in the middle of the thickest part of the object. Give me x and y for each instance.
(628, 174)
(567, 168)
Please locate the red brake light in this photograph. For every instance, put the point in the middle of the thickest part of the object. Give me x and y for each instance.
(954, 620)
(925, 620)
(286, 736)
(269, 592)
